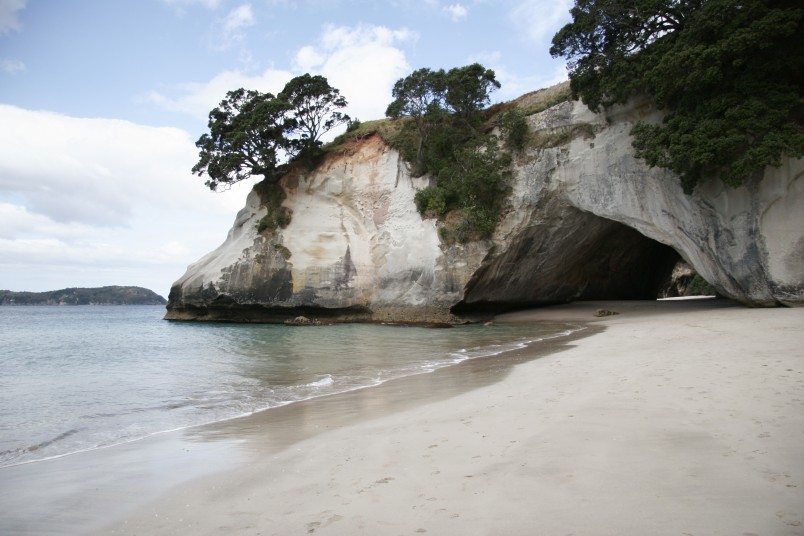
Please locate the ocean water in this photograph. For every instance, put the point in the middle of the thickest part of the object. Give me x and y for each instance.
(84, 377)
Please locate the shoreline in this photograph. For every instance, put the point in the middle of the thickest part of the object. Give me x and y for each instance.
(84, 491)
(429, 368)
(670, 417)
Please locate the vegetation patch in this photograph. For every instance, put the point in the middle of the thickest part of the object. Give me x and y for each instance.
(541, 100)
(442, 130)
(271, 196)
(253, 133)
(700, 287)
(728, 75)
(388, 130)
(560, 136)
(285, 252)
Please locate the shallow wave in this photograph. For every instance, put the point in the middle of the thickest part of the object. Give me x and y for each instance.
(8, 456)
(326, 381)
(257, 394)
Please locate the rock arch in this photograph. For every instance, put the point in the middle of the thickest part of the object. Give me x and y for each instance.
(571, 255)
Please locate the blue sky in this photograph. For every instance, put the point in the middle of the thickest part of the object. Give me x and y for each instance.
(101, 102)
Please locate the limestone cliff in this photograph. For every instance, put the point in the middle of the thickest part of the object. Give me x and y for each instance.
(587, 220)
(356, 250)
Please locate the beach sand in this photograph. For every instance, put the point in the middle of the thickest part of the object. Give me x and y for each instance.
(672, 417)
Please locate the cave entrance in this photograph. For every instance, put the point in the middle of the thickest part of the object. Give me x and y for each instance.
(571, 256)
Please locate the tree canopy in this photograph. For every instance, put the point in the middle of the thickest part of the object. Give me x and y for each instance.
(246, 136)
(251, 133)
(468, 169)
(728, 75)
(419, 95)
(434, 98)
(468, 90)
(316, 110)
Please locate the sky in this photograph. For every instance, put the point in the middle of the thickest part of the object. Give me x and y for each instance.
(101, 102)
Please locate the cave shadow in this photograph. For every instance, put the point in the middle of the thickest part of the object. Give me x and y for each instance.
(573, 256)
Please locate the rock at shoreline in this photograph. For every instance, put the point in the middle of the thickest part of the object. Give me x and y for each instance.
(302, 321)
(605, 312)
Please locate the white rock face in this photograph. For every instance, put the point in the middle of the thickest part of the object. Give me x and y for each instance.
(587, 221)
(748, 242)
(356, 247)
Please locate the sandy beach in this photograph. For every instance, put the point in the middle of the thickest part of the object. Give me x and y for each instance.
(676, 417)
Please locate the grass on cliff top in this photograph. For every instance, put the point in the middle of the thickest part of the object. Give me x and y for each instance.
(531, 103)
(388, 129)
(393, 131)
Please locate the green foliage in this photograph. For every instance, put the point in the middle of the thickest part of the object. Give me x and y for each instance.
(285, 252)
(471, 185)
(111, 295)
(729, 75)
(474, 183)
(251, 132)
(514, 128)
(440, 137)
(316, 110)
(430, 202)
(272, 195)
(700, 287)
(467, 91)
(420, 96)
(246, 135)
(353, 125)
(436, 101)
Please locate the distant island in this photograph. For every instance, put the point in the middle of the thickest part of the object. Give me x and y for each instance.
(113, 295)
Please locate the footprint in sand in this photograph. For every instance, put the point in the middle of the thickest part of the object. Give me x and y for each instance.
(789, 518)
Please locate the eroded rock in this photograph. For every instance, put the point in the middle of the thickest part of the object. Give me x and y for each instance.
(587, 220)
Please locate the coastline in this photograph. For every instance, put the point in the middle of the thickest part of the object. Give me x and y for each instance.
(670, 417)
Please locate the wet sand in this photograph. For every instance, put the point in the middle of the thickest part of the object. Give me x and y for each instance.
(671, 417)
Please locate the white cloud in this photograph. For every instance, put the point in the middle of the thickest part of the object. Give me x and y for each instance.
(12, 66)
(8, 15)
(363, 62)
(457, 12)
(198, 98)
(334, 37)
(234, 25)
(103, 199)
(308, 59)
(540, 19)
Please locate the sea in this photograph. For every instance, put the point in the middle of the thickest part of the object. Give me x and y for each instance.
(76, 378)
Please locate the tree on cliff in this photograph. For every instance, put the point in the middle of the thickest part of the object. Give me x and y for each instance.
(251, 133)
(316, 110)
(468, 169)
(419, 95)
(246, 137)
(728, 75)
(468, 91)
(433, 98)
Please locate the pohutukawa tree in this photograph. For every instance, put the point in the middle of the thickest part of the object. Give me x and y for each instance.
(469, 172)
(246, 137)
(468, 91)
(420, 95)
(253, 133)
(729, 75)
(430, 98)
(316, 110)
